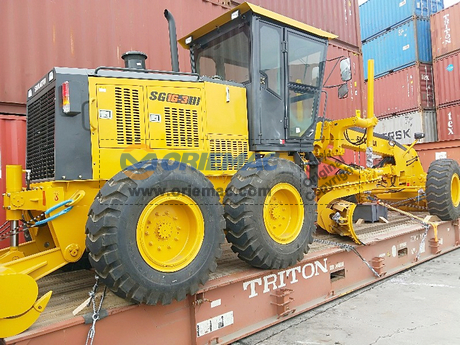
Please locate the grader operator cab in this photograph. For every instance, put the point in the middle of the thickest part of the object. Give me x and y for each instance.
(280, 63)
(145, 169)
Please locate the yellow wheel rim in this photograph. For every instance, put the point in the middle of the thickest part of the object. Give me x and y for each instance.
(455, 190)
(283, 213)
(170, 232)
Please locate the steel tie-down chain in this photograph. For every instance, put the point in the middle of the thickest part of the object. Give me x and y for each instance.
(348, 248)
(405, 202)
(425, 224)
(4, 227)
(96, 311)
(4, 234)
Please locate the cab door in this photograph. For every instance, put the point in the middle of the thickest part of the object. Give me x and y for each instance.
(271, 78)
(305, 67)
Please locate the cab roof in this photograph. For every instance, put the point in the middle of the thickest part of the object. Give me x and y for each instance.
(246, 7)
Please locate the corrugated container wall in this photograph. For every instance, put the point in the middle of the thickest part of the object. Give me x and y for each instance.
(403, 127)
(429, 152)
(449, 122)
(340, 17)
(39, 35)
(400, 47)
(86, 33)
(341, 108)
(445, 31)
(447, 79)
(12, 151)
(379, 15)
(409, 89)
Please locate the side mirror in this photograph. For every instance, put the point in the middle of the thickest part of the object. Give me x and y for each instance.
(345, 69)
(418, 136)
(343, 91)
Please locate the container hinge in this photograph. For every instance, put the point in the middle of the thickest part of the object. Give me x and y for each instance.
(213, 341)
(283, 47)
(200, 299)
(378, 263)
(282, 302)
(456, 225)
(434, 246)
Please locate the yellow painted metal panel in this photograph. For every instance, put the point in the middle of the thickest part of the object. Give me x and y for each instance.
(203, 124)
(226, 108)
(210, 163)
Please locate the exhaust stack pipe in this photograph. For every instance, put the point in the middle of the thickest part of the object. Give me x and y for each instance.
(172, 41)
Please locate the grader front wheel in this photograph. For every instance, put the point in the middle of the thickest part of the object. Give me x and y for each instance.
(150, 239)
(443, 189)
(271, 211)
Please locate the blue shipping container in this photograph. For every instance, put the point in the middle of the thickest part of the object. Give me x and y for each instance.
(400, 47)
(380, 15)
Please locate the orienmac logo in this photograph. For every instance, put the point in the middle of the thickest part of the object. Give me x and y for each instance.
(202, 161)
(139, 163)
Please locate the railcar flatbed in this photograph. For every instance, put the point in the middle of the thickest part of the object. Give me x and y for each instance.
(239, 300)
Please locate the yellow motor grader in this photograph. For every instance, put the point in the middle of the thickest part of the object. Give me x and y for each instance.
(149, 171)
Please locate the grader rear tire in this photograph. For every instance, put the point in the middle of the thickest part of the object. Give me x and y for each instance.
(271, 212)
(154, 235)
(443, 189)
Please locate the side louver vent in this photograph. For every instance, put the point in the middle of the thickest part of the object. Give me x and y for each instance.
(127, 116)
(40, 136)
(228, 154)
(182, 128)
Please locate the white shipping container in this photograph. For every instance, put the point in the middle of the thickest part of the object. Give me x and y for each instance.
(403, 127)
